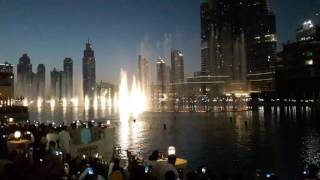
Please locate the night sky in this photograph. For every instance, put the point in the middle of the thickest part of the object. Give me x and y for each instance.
(50, 30)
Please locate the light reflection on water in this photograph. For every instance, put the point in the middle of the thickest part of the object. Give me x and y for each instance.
(281, 140)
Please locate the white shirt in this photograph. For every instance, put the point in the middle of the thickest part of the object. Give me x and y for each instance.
(64, 141)
(51, 137)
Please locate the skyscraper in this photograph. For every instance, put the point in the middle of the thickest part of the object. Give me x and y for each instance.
(308, 32)
(162, 75)
(223, 23)
(68, 69)
(6, 82)
(54, 76)
(24, 73)
(177, 67)
(89, 71)
(57, 84)
(41, 80)
(144, 75)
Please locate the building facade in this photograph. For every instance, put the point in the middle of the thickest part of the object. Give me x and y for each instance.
(237, 38)
(24, 76)
(89, 71)
(144, 74)
(6, 82)
(68, 69)
(177, 67)
(41, 81)
(298, 72)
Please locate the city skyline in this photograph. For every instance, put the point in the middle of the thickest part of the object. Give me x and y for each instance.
(151, 37)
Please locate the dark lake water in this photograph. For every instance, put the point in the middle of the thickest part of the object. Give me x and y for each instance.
(280, 141)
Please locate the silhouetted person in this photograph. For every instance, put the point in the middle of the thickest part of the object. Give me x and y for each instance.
(170, 175)
(164, 126)
(313, 171)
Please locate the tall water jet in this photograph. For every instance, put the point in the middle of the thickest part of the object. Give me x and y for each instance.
(25, 102)
(64, 103)
(95, 102)
(39, 102)
(75, 102)
(86, 103)
(132, 103)
(103, 101)
(52, 104)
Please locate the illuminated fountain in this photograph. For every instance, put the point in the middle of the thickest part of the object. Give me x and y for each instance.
(25, 102)
(75, 102)
(39, 102)
(64, 103)
(86, 103)
(103, 101)
(131, 101)
(52, 104)
(95, 103)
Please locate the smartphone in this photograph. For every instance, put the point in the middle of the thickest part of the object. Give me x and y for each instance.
(90, 170)
(148, 169)
(204, 170)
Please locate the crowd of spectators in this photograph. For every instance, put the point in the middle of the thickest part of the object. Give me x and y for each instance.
(47, 157)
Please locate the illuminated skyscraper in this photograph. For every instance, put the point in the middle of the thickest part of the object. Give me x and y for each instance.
(57, 84)
(24, 76)
(6, 82)
(144, 75)
(89, 71)
(162, 75)
(68, 69)
(177, 67)
(223, 23)
(308, 32)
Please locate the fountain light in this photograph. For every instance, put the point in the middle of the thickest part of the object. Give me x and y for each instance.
(103, 101)
(52, 104)
(39, 102)
(64, 103)
(131, 101)
(86, 103)
(95, 102)
(25, 102)
(75, 102)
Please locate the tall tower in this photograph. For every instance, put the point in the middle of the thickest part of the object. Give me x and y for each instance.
(89, 71)
(54, 88)
(68, 69)
(162, 75)
(41, 80)
(177, 67)
(224, 23)
(24, 73)
(6, 82)
(144, 75)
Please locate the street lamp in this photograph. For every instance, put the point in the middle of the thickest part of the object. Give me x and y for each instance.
(17, 135)
(171, 151)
